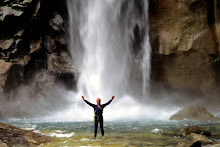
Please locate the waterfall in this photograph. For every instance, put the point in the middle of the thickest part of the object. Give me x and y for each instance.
(100, 45)
(146, 60)
(109, 45)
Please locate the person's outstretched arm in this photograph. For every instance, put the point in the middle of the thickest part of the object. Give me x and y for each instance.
(104, 105)
(92, 105)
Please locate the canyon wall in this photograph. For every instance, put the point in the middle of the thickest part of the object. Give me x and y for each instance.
(33, 50)
(185, 37)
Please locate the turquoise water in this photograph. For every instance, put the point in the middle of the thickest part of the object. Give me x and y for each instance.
(116, 126)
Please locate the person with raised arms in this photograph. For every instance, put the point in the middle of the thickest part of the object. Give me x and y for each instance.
(98, 110)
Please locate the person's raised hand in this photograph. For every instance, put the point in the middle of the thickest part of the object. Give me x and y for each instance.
(113, 97)
(83, 98)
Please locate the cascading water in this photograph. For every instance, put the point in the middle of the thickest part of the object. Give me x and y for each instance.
(146, 64)
(100, 46)
(103, 65)
(101, 42)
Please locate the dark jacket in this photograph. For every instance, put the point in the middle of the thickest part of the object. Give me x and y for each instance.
(97, 110)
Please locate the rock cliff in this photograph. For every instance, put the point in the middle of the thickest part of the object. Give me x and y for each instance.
(185, 47)
(33, 49)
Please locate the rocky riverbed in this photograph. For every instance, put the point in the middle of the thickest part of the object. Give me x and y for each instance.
(13, 136)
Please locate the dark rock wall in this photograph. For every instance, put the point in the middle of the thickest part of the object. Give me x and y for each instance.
(185, 47)
(33, 49)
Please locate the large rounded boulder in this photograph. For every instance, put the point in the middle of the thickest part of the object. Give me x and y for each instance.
(192, 112)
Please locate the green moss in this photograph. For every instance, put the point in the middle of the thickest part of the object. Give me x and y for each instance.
(116, 139)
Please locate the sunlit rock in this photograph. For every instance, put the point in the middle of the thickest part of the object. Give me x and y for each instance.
(26, 1)
(193, 112)
(5, 10)
(20, 33)
(13, 136)
(194, 129)
(57, 23)
(35, 45)
(9, 47)
(197, 137)
(3, 145)
(215, 145)
(37, 9)
(5, 44)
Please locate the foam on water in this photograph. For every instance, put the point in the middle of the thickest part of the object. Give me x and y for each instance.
(61, 135)
(156, 130)
(57, 133)
(29, 127)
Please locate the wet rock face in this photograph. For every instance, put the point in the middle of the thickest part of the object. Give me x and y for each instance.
(193, 112)
(13, 8)
(5, 66)
(33, 48)
(185, 45)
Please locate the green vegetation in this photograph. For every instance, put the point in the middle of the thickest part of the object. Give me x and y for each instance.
(116, 139)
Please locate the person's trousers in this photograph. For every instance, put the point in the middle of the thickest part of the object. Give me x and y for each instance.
(98, 119)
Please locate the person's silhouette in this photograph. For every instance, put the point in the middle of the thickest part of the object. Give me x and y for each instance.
(98, 118)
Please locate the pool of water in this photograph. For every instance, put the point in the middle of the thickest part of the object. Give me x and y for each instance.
(117, 133)
(111, 126)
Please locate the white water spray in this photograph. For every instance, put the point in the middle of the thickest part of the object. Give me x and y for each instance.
(101, 36)
(101, 46)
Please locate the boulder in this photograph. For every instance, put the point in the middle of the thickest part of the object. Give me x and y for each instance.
(13, 136)
(197, 137)
(193, 112)
(194, 129)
